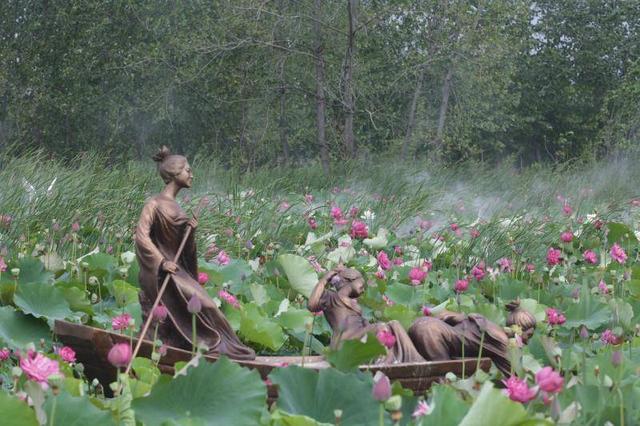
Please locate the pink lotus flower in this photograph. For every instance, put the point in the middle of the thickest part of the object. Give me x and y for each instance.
(517, 390)
(425, 225)
(505, 265)
(336, 213)
(555, 317)
(461, 286)
(312, 223)
(202, 278)
(194, 305)
(380, 275)
(353, 211)
(3, 266)
(609, 338)
(67, 354)
(223, 258)
(602, 286)
(554, 256)
(598, 224)
(75, 226)
(5, 353)
(284, 206)
(229, 298)
(478, 271)
(590, 256)
(359, 229)
(340, 222)
(530, 268)
(474, 233)
(454, 227)
(397, 250)
(549, 380)
(426, 311)
(618, 254)
(616, 358)
(120, 355)
(386, 337)
(398, 261)
(121, 322)
(417, 276)
(381, 390)
(383, 260)
(160, 313)
(421, 410)
(566, 237)
(567, 209)
(38, 368)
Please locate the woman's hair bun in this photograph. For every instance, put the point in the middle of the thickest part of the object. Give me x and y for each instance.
(161, 154)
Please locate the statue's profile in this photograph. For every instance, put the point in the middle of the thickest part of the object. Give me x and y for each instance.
(159, 234)
(448, 335)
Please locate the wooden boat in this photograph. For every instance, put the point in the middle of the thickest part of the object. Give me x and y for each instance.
(93, 344)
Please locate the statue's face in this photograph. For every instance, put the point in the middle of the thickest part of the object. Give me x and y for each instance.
(184, 179)
(357, 287)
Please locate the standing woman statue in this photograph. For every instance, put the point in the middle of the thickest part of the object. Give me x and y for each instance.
(160, 231)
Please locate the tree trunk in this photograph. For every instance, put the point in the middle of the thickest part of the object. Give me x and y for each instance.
(282, 90)
(320, 98)
(411, 122)
(348, 97)
(444, 106)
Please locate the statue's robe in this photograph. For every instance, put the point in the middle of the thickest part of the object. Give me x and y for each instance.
(452, 335)
(344, 315)
(159, 233)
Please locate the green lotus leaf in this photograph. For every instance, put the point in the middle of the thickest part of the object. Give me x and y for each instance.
(300, 274)
(317, 395)
(257, 328)
(220, 393)
(123, 292)
(16, 412)
(18, 329)
(75, 411)
(491, 405)
(42, 300)
(354, 353)
(379, 241)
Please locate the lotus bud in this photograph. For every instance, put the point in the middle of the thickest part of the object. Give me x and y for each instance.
(155, 357)
(120, 355)
(381, 387)
(160, 313)
(195, 305)
(338, 415)
(616, 358)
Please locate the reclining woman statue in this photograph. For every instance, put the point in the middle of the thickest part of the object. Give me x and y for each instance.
(159, 233)
(446, 336)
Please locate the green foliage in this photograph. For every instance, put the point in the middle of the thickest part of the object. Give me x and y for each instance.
(300, 273)
(75, 411)
(18, 329)
(318, 394)
(222, 393)
(353, 353)
(16, 412)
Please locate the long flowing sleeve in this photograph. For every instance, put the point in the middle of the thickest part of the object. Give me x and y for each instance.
(148, 253)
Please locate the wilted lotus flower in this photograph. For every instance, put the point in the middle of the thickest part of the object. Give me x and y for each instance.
(120, 355)
(422, 409)
(381, 387)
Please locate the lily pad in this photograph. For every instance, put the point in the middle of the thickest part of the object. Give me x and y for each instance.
(220, 393)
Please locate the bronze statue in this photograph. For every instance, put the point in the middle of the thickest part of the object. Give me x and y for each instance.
(446, 336)
(344, 314)
(158, 236)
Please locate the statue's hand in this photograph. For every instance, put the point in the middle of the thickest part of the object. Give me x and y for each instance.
(169, 266)
(193, 223)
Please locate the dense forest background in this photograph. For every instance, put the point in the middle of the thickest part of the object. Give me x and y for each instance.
(257, 83)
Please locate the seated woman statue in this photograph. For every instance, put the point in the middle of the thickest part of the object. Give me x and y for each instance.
(448, 335)
(340, 306)
(159, 233)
